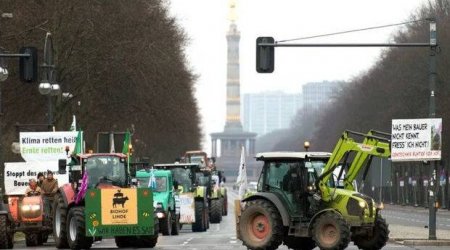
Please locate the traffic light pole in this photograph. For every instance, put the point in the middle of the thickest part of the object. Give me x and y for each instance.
(29, 58)
(265, 63)
(432, 114)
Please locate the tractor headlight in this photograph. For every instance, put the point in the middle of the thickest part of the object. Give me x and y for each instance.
(160, 215)
(28, 208)
(362, 204)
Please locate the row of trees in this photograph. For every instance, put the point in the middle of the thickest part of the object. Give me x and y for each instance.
(396, 87)
(124, 64)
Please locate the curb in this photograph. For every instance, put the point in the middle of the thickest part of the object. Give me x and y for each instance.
(437, 243)
(420, 242)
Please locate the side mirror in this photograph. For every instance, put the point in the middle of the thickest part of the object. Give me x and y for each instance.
(62, 164)
(265, 55)
(175, 185)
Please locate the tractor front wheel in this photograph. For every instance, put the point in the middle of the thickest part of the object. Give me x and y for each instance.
(331, 232)
(200, 223)
(261, 226)
(31, 239)
(59, 222)
(124, 241)
(216, 211)
(175, 224)
(76, 229)
(225, 205)
(378, 239)
(166, 224)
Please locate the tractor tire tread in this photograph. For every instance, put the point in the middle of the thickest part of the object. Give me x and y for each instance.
(61, 241)
(380, 238)
(344, 231)
(271, 212)
(216, 211)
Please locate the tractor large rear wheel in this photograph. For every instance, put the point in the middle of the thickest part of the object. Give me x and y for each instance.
(200, 223)
(59, 222)
(378, 239)
(261, 226)
(6, 239)
(331, 232)
(216, 211)
(299, 243)
(76, 229)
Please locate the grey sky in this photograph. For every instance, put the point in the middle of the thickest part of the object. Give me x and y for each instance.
(206, 23)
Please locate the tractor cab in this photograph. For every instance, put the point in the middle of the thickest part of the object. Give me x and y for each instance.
(291, 176)
(100, 170)
(184, 175)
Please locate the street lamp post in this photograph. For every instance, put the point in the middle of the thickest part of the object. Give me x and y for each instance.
(48, 86)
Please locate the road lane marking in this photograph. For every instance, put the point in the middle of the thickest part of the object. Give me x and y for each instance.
(233, 242)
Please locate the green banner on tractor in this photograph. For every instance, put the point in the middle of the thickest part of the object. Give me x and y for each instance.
(119, 212)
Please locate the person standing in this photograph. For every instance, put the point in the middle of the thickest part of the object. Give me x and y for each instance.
(40, 179)
(49, 188)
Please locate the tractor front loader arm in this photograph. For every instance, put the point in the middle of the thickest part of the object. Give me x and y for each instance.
(372, 145)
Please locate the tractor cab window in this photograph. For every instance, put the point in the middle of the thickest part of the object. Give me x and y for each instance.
(202, 180)
(283, 175)
(196, 159)
(183, 176)
(161, 184)
(143, 181)
(105, 169)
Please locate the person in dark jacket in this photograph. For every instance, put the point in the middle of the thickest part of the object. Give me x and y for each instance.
(40, 179)
(49, 188)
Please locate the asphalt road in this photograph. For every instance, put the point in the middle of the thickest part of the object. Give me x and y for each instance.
(222, 236)
(415, 216)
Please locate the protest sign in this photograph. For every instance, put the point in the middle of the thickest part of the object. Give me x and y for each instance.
(17, 175)
(416, 139)
(46, 146)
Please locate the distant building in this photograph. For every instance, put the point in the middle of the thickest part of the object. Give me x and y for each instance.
(317, 94)
(269, 111)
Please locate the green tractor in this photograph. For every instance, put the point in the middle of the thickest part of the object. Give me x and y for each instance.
(216, 193)
(165, 199)
(100, 201)
(193, 196)
(298, 202)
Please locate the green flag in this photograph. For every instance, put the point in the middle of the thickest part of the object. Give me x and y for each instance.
(78, 149)
(78, 144)
(126, 143)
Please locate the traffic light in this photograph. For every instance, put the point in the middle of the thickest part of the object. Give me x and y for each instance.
(28, 65)
(265, 55)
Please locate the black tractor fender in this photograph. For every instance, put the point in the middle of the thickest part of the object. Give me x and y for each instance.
(275, 201)
(311, 222)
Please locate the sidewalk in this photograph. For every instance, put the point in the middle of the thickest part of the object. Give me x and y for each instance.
(441, 211)
(417, 235)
